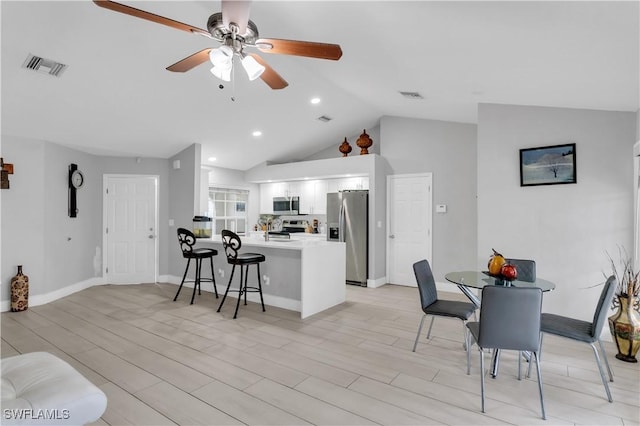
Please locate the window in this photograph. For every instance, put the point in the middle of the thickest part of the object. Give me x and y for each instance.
(228, 208)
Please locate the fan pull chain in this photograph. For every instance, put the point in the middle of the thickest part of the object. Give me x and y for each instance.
(233, 79)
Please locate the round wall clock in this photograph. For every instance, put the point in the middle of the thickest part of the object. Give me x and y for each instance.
(77, 179)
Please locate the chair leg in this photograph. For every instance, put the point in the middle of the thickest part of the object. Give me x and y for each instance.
(519, 365)
(213, 277)
(183, 278)
(467, 338)
(495, 363)
(227, 290)
(604, 380)
(481, 377)
(464, 335)
(260, 287)
(242, 274)
(606, 361)
(419, 331)
(535, 355)
(539, 356)
(246, 278)
(196, 283)
(433, 318)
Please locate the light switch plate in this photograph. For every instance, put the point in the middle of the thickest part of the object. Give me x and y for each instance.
(441, 208)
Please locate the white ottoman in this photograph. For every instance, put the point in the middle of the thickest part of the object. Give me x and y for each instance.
(39, 388)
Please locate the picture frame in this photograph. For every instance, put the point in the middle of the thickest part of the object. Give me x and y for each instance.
(548, 165)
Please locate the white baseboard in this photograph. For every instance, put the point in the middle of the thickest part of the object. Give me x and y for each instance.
(377, 282)
(41, 299)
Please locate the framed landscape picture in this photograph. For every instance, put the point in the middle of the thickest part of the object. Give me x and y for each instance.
(548, 165)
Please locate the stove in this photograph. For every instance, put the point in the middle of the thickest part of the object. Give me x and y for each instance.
(294, 226)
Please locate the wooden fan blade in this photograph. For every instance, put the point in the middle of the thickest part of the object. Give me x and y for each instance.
(236, 11)
(190, 61)
(269, 76)
(300, 48)
(128, 10)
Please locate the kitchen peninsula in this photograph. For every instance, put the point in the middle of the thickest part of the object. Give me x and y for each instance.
(303, 275)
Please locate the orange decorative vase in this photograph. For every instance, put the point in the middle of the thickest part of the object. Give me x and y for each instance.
(364, 142)
(625, 328)
(19, 291)
(345, 148)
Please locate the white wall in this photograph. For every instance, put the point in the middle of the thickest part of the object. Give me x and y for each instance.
(448, 150)
(54, 249)
(565, 228)
(184, 194)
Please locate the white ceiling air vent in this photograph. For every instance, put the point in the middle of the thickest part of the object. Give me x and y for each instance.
(411, 95)
(45, 66)
(324, 119)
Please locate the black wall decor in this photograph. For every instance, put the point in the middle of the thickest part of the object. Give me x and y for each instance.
(76, 179)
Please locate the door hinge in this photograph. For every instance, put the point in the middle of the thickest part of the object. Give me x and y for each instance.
(107, 190)
(106, 231)
(106, 270)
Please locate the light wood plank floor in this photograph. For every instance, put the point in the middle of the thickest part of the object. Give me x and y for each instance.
(164, 362)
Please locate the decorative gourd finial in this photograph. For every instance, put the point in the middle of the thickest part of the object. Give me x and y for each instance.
(345, 148)
(364, 142)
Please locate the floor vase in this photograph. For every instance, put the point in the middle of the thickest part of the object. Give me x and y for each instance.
(19, 291)
(625, 328)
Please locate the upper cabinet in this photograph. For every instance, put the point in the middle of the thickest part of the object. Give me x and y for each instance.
(348, 184)
(312, 193)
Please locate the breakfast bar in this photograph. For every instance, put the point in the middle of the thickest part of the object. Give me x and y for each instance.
(306, 275)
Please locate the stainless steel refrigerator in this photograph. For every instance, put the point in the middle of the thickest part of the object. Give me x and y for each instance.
(348, 221)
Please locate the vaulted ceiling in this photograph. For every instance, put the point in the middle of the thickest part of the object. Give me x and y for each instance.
(117, 98)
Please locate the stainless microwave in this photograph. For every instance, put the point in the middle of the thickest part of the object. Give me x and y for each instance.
(286, 205)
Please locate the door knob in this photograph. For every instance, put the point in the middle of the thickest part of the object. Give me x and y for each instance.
(151, 237)
(392, 236)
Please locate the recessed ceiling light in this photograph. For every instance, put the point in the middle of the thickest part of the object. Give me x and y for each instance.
(257, 133)
(212, 159)
(315, 100)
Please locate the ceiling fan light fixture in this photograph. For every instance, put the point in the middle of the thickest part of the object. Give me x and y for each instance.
(221, 57)
(222, 73)
(252, 67)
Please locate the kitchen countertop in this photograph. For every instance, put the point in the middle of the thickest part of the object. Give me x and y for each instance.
(274, 242)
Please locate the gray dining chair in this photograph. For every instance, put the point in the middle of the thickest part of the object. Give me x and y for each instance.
(509, 320)
(433, 306)
(526, 269)
(585, 331)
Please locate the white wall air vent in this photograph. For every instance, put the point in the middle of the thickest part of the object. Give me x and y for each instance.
(324, 119)
(411, 95)
(43, 65)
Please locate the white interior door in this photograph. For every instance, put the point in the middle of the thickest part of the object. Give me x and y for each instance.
(408, 225)
(130, 231)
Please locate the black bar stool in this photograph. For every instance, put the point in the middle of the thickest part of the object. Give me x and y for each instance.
(187, 240)
(231, 243)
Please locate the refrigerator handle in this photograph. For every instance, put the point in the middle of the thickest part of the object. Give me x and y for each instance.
(341, 222)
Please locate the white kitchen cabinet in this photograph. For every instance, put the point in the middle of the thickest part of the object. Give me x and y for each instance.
(312, 193)
(320, 189)
(313, 197)
(346, 184)
(266, 197)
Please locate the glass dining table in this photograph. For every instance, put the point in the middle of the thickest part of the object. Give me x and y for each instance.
(468, 280)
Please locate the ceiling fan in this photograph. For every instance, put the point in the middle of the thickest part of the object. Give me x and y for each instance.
(235, 31)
